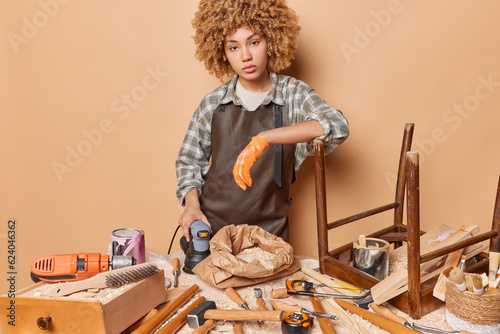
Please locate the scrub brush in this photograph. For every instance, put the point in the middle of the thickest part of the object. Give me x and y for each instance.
(457, 277)
(106, 279)
(477, 284)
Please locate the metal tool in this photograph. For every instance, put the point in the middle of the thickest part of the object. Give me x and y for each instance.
(308, 285)
(363, 303)
(76, 267)
(175, 271)
(259, 300)
(437, 331)
(296, 308)
(296, 323)
(199, 245)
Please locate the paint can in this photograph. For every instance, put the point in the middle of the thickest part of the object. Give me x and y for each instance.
(372, 258)
(129, 241)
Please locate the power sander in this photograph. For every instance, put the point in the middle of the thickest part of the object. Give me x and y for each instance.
(76, 267)
(198, 247)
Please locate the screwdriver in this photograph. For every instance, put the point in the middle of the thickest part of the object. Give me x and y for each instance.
(175, 271)
(235, 297)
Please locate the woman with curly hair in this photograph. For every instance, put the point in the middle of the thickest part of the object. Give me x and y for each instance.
(258, 120)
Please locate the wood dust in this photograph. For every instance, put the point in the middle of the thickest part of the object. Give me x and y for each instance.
(257, 254)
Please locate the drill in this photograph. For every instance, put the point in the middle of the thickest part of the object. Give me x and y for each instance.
(199, 247)
(76, 267)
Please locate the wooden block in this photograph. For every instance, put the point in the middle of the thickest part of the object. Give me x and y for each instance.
(426, 240)
(452, 261)
(71, 315)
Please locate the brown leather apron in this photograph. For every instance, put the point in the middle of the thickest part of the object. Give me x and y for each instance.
(266, 203)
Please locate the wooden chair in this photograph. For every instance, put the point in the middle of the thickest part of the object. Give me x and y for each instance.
(418, 300)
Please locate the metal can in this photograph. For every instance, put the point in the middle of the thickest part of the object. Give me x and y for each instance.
(129, 241)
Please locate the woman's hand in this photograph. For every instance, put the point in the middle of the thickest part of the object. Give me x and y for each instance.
(191, 213)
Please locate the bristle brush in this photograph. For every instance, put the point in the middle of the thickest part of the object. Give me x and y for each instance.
(457, 277)
(111, 279)
(477, 284)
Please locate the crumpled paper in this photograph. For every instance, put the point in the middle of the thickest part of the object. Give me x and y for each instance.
(223, 269)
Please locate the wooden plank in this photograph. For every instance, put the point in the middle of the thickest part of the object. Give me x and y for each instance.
(344, 316)
(452, 261)
(397, 282)
(427, 240)
(337, 285)
(135, 302)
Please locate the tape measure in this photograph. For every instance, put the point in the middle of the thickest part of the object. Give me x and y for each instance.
(296, 323)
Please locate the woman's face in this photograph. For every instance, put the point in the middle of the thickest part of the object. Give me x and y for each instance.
(246, 52)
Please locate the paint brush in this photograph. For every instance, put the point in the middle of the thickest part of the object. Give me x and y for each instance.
(462, 262)
(477, 285)
(495, 284)
(493, 265)
(457, 277)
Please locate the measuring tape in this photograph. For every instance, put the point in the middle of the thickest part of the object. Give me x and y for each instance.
(296, 323)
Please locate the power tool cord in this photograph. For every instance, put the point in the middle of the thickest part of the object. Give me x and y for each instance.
(173, 237)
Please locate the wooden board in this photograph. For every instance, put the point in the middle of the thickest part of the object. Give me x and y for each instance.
(71, 315)
(397, 283)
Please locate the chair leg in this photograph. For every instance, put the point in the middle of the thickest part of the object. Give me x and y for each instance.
(401, 181)
(495, 226)
(321, 215)
(413, 216)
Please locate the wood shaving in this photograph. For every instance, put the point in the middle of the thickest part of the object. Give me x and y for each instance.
(257, 254)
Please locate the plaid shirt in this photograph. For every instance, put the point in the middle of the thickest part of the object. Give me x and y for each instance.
(302, 104)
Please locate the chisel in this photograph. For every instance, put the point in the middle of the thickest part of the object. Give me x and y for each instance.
(387, 313)
(175, 271)
(235, 297)
(437, 331)
(384, 323)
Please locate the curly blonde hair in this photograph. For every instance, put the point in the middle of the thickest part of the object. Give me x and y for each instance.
(271, 18)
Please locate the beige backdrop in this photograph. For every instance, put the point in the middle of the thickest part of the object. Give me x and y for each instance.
(96, 97)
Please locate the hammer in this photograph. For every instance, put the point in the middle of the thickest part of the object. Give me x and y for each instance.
(208, 311)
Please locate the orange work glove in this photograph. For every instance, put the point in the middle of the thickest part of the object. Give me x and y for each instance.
(247, 158)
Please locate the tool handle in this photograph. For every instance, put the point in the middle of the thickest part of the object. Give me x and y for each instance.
(175, 264)
(285, 306)
(241, 315)
(388, 325)
(237, 329)
(261, 305)
(235, 297)
(167, 311)
(205, 328)
(173, 325)
(142, 321)
(280, 293)
(324, 323)
(387, 313)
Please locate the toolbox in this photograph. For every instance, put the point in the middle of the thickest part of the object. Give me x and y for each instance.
(77, 315)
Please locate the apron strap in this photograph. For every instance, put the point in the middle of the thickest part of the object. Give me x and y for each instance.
(278, 149)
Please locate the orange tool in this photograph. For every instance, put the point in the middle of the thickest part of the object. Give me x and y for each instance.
(75, 267)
